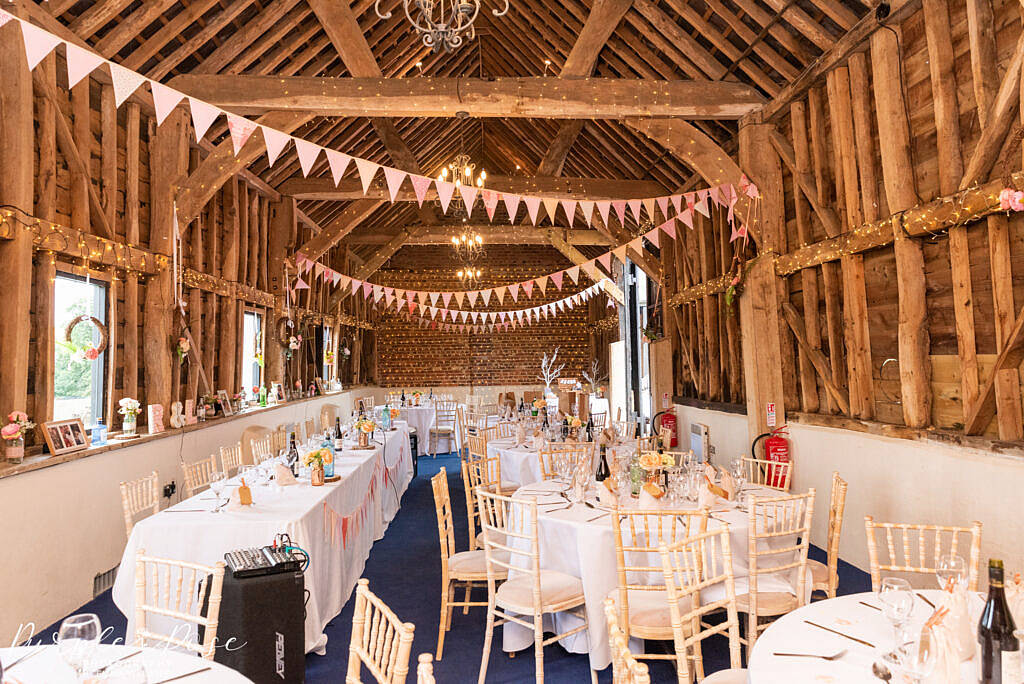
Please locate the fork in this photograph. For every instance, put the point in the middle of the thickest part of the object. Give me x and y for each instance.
(834, 656)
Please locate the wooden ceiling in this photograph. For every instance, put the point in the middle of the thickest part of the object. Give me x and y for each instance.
(765, 44)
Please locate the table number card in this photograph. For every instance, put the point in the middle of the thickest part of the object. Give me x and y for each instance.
(155, 418)
(190, 412)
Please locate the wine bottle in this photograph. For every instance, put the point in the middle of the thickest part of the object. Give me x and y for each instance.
(590, 431)
(603, 471)
(293, 456)
(362, 411)
(999, 659)
(403, 396)
(338, 441)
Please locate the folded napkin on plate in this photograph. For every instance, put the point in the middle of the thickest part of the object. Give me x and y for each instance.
(608, 436)
(958, 621)
(520, 435)
(283, 476)
(605, 495)
(729, 485)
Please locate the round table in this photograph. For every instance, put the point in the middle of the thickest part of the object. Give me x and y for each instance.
(579, 541)
(520, 465)
(847, 614)
(423, 418)
(160, 664)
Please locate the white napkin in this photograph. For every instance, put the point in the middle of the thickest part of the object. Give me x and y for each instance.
(705, 499)
(647, 502)
(947, 661)
(283, 476)
(1015, 598)
(605, 496)
(959, 621)
(520, 434)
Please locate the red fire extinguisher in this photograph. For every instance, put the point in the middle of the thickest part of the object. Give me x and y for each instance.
(667, 419)
(776, 449)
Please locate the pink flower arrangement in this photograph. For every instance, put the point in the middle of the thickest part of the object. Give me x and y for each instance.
(92, 353)
(17, 427)
(1011, 200)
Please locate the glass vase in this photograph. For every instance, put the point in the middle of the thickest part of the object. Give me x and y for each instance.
(14, 450)
(128, 426)
(316, 476)
(364, 439)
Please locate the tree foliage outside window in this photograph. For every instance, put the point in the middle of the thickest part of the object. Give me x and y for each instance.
(72, 378)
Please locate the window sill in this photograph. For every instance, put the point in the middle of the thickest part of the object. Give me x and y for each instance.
(32, 463)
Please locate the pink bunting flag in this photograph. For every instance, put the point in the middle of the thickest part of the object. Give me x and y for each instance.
(574, 273)
(636, 244)
(550, 207)
(714, 195)
(513, 290)
(511, 205)
(603, 207)
(124, 82)
(300, 284)
(394, 178)
(355, 285)
(241, 129)
(446, 297)
(528, 288)
(203, 116)
(663, 206)
(490, 199)
(542, 283)
(620, 253)
(308, 152)
(420, 184)
(468, 193)
(652, 235)
(338, 161)
(677, 204)
(687, 217)
(620, 211)
(367, 170)
(606, 261)
(556, 278)
(532, 207)
(569, 207)
(486, 296)
(473, 294)
(634, 206)
(670, 228)
(445, 191)
(367, 289)
(434, 296)
(38, 43)
(4, 17)
(737, 233)
(164, 100)
(587, 207)
(80, 63)
(702, 207)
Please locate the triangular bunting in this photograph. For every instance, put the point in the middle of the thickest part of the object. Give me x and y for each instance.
(532, 207)
(569, 207)
(203, 116)
(338, 161)
(125, 82)
(468, 193)
(394, 178)
(420, 184)
(240, 129)
(81, 63)
(511, 206)
(367, 170)
(550, 207)
(308, 152)
(38, 43)
(445, 191)
(164, 100)
(556, 278)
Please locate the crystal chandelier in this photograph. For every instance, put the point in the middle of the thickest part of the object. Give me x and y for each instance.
(442, 23)
(461, 171)
(468, 248)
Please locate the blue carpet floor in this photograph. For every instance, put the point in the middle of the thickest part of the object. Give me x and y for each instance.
(404, 568)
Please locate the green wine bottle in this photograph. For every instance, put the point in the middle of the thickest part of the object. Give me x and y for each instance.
(999, 650)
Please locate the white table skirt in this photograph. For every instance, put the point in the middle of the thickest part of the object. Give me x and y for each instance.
(423, 418)
(312, 516)
(570, 544)
(521, 465)
(159, 664)
(790, 634)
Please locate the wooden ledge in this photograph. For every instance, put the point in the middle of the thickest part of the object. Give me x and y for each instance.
(39, 462)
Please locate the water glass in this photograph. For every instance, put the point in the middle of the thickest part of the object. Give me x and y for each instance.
(126, 672)
(218, 483)
(951, 567)
(77, 640)
(897, 603)
(917, 656)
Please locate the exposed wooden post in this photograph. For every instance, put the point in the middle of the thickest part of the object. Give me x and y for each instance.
(898, 176)
(282, 227)
(229, 305)
(759, 332)
(168, 164)
(81, 181)
(130, 374)
(17, 138)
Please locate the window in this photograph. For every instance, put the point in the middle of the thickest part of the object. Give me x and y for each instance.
(252, 350)
(79, 383)
(327, 351)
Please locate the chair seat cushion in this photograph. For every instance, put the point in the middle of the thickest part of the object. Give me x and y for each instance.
(730, 676)
(472, 564)
(441, 429)
(648, 610)
(768, 603)
(558, 591)
(499, 539)
(819, 573)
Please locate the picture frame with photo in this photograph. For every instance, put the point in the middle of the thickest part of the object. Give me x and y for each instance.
(224, 399)
(65, 436)
(276, 393)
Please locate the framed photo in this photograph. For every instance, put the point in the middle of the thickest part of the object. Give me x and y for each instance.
(65, 436)
(225, 402)
(276, 393)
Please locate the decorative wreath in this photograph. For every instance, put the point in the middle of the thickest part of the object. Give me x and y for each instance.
(283, 327)
(90, 352)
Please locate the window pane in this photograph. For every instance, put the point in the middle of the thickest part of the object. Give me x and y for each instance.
(78, 382)
(252, 344)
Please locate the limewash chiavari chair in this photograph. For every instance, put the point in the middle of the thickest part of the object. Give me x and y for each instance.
(425, 669)
(771, 474)
(309, 426)
(197, 475)
(626, 429)
(485, 470)
(367, 403)
(772, 521)
(472, 513)
(702, 563)
(640, 596)
(262, 449)
(576, 453)
(599, 420)
(278, 441)
(626, 669)
(231, 458)
(380, 641)
(531, 592)
(138, 496)
(445, 415)
(920, 555)
(826, 575)
(466, 569)
(177, 589)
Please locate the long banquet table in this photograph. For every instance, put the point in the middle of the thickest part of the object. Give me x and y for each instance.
(336, 523)
(159, 664)
(579, 541)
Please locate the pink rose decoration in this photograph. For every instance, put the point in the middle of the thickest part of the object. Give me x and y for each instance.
(92, 353)
(1017, 201)
(298, 337)
(1005, 195)
(17, 417)
(10, 431)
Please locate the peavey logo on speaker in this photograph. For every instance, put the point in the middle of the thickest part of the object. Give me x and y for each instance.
(279, 654)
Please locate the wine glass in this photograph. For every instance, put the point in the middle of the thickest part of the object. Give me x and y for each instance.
(218, 483)
(951, 567)
(126, 672)
(897, 603)
(917, 656)
(77, 640)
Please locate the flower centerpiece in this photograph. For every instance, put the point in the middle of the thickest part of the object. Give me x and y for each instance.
(14, 435)
(416, 397)
(240, 400)
(574, 425)
(538, 404)
(129, 408)
(317, 459)
(182, 349)
(365, 427)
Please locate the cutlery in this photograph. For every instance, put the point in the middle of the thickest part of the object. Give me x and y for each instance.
(881, 671)
(186, 510)
(597, 517)
(834, 656)
(182, 676)
(114, 662)
(870, 606)
(847, 636)
(8, 668)
(923, 598)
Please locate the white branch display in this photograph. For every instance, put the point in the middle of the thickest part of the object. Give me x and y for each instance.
(594, 377)
(548, 372)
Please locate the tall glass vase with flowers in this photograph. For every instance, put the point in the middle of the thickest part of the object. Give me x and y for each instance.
(315, 460)
(129, 408)
(364, 428)
(14, 436)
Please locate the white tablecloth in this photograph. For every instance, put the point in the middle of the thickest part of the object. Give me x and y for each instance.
(422, 418)
(790, 634)
(571, 541)
(521, 465)
(47, 667)
(304, 512)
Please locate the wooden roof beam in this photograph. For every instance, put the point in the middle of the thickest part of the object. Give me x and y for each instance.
(491, 234)
(577, 257)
